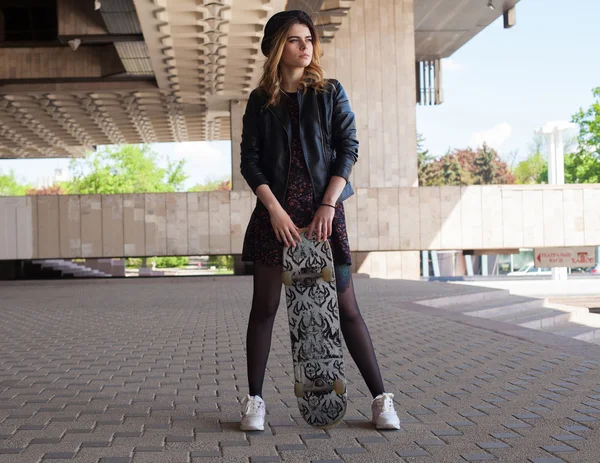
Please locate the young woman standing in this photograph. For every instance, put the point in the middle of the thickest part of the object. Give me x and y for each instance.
(298, 148)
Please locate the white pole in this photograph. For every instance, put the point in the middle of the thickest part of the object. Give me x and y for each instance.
(556, 173)
(560, 157)
(551, 139)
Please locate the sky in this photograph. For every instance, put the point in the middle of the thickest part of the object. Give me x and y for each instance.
(500, 87)
(505, 84)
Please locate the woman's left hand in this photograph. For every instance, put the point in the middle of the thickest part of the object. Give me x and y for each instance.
(321, 223)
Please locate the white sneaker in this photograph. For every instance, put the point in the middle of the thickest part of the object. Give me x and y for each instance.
(384, 414)
(253, 413)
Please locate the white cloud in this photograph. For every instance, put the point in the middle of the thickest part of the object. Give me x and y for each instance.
(494, 137)
(451, 65)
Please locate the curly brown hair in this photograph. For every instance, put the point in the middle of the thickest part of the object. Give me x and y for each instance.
(314, 74)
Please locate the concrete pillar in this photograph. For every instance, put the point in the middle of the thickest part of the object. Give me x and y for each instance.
(373, 56)
(237, 109)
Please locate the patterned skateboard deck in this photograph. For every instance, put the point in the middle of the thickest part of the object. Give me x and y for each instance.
(313, 315)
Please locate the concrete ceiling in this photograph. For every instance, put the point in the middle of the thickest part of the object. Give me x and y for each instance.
(441, 26)
(444, 26)
(176, 85)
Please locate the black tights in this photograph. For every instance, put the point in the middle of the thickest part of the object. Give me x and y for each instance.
(265, 301)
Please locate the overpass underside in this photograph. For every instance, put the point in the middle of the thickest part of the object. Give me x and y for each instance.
(148, 71)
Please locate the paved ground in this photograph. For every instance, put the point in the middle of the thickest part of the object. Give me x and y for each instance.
(153, 370)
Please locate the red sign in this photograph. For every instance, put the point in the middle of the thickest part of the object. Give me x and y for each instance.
(565, 257)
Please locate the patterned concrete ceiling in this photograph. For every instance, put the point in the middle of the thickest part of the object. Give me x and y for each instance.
(150, 71)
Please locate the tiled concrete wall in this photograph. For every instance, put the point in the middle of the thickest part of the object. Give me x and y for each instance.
(378, 219)
(373, 56)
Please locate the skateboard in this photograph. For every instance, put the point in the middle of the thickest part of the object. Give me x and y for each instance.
(312, 306)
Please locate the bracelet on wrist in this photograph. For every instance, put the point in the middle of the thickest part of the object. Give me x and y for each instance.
(323, 204)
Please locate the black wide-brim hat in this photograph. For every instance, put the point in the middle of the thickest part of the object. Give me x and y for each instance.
(279, 20)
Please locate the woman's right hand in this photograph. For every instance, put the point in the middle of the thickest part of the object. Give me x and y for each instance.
(285, 229)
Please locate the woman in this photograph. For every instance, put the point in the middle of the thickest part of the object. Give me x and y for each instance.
(298, 149)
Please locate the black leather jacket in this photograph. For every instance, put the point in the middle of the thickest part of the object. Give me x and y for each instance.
(327, 134)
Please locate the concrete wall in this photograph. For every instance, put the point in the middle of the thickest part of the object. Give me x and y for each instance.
(373, 56)
(379, 220)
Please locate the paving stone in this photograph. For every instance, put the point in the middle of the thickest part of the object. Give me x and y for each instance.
(59, 456)
(161, 369)
(372, 440)
(314, 436)
(516, 425)
(447, 433)
(429, 442)
(241, 443)
(149, 449)
(576, 428)
(506, 435)
(567, 437)
(493, 445)
(179, 439)
(44, 441)
(478, 457)
(461, 423)
(95, 444)
(412, 453)
(127, 434)
(11, 451)
(350, 450)
(31, 427)
(559, 448)
(547, 460)
(290, 447)
(205, 453)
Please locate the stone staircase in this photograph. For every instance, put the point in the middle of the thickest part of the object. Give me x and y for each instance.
(59, 268)
(534, 313)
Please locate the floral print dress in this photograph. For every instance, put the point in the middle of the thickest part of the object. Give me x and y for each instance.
(260, 241)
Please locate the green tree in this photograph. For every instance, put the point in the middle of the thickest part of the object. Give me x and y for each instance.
(488, 168)
(169, 261)
(466, 167)
(128, 169)
(221, 262)
(532, 170)
(424, 159)
(10, 186)
(56, 189)
(583, 166)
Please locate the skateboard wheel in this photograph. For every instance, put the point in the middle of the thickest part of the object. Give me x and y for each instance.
(287, 279)
(339, 386)
(327, 274)
(299, 390)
